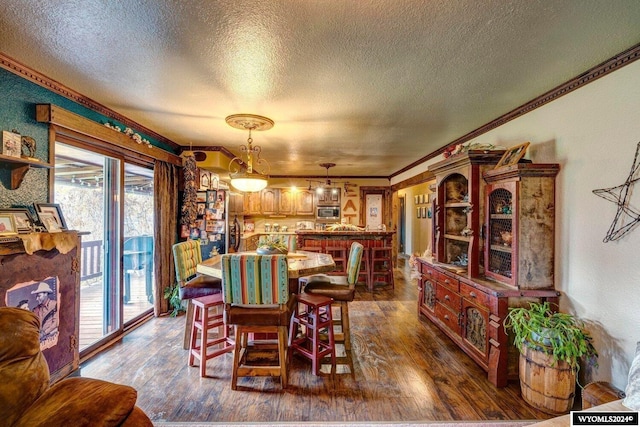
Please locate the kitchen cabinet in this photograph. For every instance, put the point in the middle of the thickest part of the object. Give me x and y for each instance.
(236, 202)
(304, 202)
(328, 196)
(279, 201)
(520, 223)
(269, 201)
(251, 205)
(249, 243)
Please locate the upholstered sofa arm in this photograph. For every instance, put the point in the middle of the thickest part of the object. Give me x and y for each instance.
(82, 402)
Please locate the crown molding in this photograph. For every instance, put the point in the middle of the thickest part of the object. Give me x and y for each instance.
(40, 79)
(613, 64)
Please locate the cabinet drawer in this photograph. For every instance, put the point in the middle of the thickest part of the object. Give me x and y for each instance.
(449, 282)
(472, 294)
(449, 298)
(428, 271)
(448, 317)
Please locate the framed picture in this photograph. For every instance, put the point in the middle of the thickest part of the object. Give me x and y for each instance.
(424, 212)
(7, 225)
(50, 222)
(417, 199)
(205, 180)
(201, 196)
(22, 218)
(11, 144)
(513, 155)
(53, 209)
(419, 212)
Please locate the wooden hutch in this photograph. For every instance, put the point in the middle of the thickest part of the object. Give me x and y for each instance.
(485, 261)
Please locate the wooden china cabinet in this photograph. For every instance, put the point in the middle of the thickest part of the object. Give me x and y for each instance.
(466, 288)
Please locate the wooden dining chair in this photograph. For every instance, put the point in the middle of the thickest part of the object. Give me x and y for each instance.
(187, 256)
(255, 291)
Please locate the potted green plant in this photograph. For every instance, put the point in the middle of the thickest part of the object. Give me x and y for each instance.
(172, 294)
(272, 245)
(551, 345)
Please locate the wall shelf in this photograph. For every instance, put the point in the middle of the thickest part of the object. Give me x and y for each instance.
(19, 167)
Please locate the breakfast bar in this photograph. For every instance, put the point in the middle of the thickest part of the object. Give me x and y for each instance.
(377, 259)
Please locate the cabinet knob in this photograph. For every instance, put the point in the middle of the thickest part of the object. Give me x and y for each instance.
(446, 317)
(446, 297)
(447, 281)
(473, 294)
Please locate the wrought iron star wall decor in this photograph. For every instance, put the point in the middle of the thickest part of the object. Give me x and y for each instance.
(627, 217)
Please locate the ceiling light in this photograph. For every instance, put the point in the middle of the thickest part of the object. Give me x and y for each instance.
(249, 172)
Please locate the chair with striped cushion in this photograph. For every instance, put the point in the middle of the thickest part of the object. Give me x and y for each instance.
(186, 256)
(255, 290)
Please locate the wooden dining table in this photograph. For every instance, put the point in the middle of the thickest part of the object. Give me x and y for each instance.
(301, 263)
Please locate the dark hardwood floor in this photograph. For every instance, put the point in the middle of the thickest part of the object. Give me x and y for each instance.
(404, 369)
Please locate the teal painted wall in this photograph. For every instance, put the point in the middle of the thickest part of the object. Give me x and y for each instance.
(18, 98)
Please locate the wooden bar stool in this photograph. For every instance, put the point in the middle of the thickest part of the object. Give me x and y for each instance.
(342, 290)
(381, 265)
(365, 267)
(313, 315)
(339, 255)
(203, 320)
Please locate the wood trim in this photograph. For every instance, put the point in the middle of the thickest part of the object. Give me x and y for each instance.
(22, 70)
(600, 70)
(414, 180)
(66, 121)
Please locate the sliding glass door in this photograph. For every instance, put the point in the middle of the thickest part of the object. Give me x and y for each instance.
(111, 202)
(137, 255)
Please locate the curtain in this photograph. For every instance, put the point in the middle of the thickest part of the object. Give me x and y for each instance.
(165, 185)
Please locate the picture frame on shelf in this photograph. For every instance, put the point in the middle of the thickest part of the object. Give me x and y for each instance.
(7, 225)
(55, 210)
(11, 144)
(22, 217)
(513, 155)
(50, 222)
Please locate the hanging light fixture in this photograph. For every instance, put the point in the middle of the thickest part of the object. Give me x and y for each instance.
(249, 172)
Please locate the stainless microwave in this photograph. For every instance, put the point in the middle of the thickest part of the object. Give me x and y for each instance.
(328, 213)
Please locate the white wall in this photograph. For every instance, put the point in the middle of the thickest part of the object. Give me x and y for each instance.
(592, 133)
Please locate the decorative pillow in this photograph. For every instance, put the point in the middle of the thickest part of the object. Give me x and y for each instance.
(632, 401)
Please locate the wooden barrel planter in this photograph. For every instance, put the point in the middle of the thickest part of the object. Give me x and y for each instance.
(545, 385)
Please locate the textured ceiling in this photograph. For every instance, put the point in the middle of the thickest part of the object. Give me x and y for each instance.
(369, 85)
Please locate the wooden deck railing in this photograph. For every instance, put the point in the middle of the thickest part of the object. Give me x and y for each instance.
(91, 260)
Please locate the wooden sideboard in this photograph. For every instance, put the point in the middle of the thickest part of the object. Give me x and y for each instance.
(41, 273)
(471, 312)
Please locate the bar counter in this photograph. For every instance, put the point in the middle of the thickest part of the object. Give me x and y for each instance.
(315, 238)
(338, 243)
